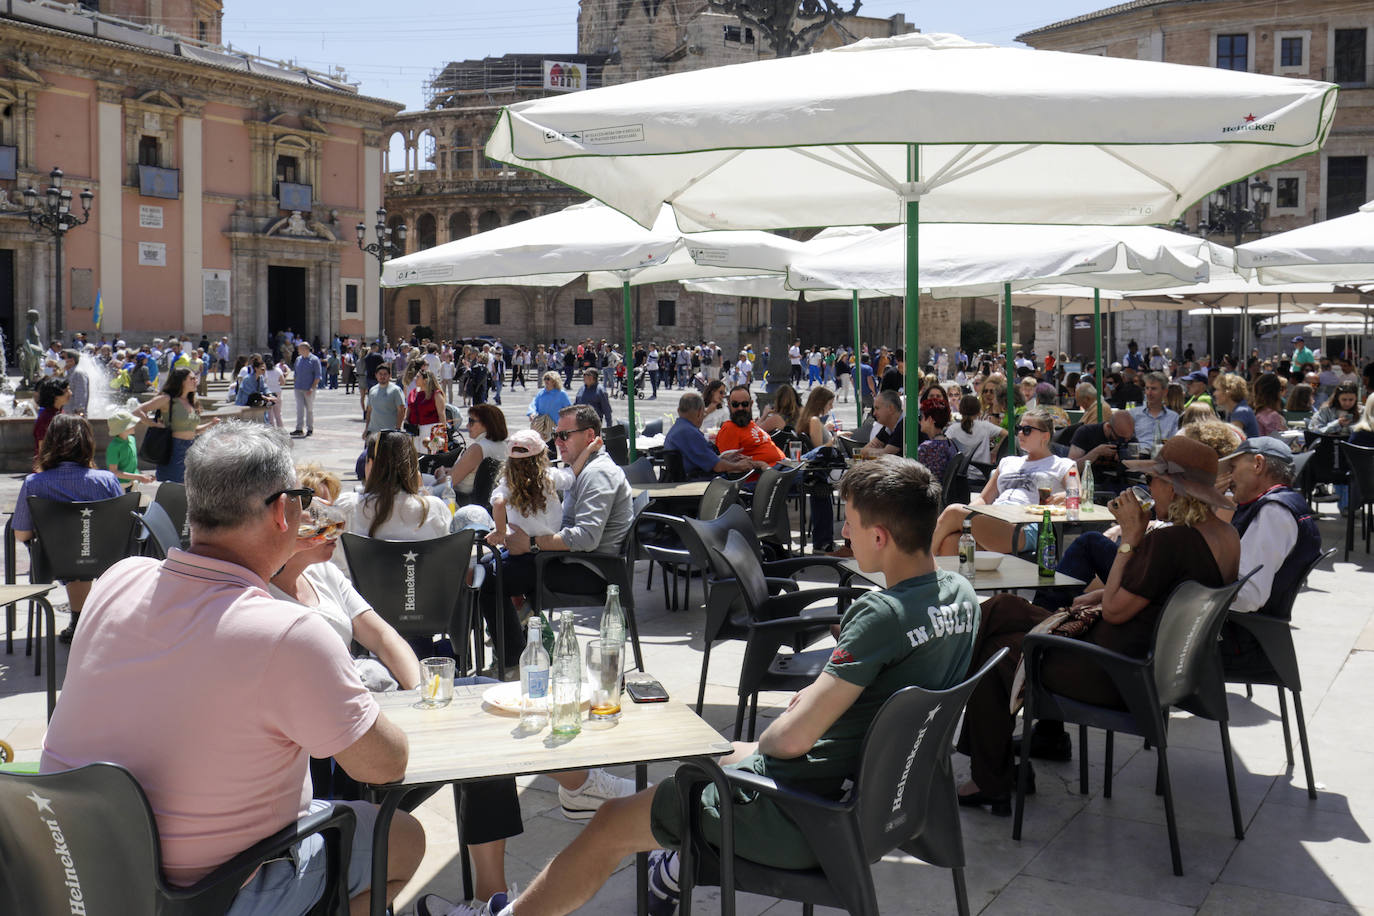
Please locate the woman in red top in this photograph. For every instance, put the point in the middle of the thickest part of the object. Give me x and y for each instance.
(424, 408)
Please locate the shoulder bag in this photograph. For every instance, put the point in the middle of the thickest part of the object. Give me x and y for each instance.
(157, 443)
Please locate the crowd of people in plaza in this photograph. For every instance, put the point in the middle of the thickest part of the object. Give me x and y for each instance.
(251, 612)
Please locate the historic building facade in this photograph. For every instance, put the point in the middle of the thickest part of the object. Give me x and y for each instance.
(1314, 39)
(444, 188)
(226, 188)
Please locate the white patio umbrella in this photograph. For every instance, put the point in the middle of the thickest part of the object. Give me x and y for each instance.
(550, 250)
(873, 132)
(1337, 250)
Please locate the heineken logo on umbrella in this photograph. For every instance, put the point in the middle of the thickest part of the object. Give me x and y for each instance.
(1249, 123)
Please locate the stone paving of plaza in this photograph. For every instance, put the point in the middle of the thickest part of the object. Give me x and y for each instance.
(1079, 854)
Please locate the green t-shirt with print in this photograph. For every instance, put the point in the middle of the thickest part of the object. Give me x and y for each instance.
(120, 453)
(920, 633)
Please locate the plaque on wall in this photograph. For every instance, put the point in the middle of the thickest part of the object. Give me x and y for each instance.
(294, 196)
(152, 254)
(215, 292)
(149, 217)
(9, 163)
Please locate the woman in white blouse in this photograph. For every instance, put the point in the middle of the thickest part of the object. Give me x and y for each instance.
(394, 504)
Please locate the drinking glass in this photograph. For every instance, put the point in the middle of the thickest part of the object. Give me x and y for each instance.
(436, 683)
(794, 450)
(1044, 488)
(605, 665)
(321, 520)
(1143, 496)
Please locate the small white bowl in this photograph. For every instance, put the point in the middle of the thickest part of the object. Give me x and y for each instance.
(987, 560)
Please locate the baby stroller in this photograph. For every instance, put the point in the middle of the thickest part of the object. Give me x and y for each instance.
(641, 379)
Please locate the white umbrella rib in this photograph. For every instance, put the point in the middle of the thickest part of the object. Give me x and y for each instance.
(695, 179)
(1147, 173)
(976, 164)
(878, 176)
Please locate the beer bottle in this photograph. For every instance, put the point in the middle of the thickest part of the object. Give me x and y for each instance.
(1046, 552)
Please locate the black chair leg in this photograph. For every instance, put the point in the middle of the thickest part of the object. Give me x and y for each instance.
(1349, 533)
(1023, 769)
(753, 714)
(701, 688)
(808, 909)
(1082, 759)
(462, 843)
(960, 892)
(1231, 781)
(1249, 691)
(1169, 820)
(1287, 733)
(739, 717)
(37, 630)
(634, 635)
(1302, 739)
(1107, 774)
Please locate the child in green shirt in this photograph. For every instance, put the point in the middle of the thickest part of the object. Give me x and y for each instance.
(120, 456)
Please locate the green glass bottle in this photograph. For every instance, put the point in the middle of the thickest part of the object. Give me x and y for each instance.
(1046, 551)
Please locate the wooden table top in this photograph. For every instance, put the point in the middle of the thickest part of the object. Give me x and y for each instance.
(1012, 574)
(662, 489)
(1019, 515)
(9, 594)
(468, 740)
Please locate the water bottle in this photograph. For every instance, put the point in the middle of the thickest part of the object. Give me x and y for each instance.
(565, 689)
(1072, 496)
(612, 618)
(1046, 552)
(534, 680)
(1087, 500)
(968, 547)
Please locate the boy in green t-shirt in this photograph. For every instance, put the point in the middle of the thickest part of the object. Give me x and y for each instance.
(120, 456)
(918, 631)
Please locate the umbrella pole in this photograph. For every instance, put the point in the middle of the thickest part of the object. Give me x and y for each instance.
(629, 365)
(855, 375)
(1010, 418)
(913, 296)
(1097, 346)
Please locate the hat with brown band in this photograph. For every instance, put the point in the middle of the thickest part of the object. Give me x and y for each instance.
(1190, 466)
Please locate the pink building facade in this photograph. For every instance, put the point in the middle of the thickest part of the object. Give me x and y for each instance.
(226, 190)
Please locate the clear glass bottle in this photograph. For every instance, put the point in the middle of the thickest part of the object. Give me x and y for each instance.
(534, 680)
(968, 547)
(565, 687)
(1087, 501)
(613, 617)
(1073, 496)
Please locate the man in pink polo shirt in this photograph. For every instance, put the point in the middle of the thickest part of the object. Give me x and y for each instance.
(215, 694)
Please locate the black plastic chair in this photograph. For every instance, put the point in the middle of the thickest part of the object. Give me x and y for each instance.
(674, 470)
(669, 549)
(616, 443)
(159, 535)
(1300, 473)
(171, 497)
(769, 510)
(775, 621)
(418, 587)
(653, 428)
(104, 825)
(484, 481)
(1271, 629)
(641, 470)
(1360, 461)
(1326, 465)
(955, 475)
(903, 798)
(1183, 669)
(614, 569)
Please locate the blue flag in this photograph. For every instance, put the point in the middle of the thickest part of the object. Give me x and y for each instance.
(99, 310)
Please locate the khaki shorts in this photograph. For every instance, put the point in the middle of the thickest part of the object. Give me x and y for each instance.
(763, 833)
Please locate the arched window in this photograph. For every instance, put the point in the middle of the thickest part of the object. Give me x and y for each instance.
(519, 216)
(425, 229)
(488, 221)
(459, 226)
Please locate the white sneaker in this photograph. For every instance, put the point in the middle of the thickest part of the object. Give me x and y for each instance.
(580, 804)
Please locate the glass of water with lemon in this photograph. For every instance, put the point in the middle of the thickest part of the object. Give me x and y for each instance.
(436, 683)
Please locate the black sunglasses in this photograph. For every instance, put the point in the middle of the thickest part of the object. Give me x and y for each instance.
(740, 404)
(563, 434)
(1027, 430)
(304, 494)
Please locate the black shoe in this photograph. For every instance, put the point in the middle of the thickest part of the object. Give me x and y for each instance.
(65, 637)
(310, 432)
(1046, 746)
(999, 805)
(297, 433)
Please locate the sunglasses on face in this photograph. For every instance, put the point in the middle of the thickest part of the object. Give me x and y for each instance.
(1027, 430)
(562, 435)
(739, 403)
(304, 494)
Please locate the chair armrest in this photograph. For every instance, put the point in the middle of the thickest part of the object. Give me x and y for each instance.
(794, 602)
(793, 565)
(782, 585)
(1275, 639)
(604, 564)
(337, 823)
(1132, 677)
(781, 626)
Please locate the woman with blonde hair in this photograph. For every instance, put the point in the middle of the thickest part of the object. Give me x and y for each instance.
(1230, 392)
(1362, 433)
(424, 406)
(543, 412)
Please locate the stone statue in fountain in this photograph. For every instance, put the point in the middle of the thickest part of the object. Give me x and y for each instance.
(30, 355)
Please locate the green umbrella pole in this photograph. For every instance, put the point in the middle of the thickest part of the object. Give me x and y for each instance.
(913, 300)
(855, 374)
(629, 365)
(1097, 346)
(1010, 418)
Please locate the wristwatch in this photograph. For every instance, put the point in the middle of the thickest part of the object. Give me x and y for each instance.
(1125, 549)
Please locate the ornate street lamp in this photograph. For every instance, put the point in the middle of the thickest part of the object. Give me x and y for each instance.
(1227, 209)
(382, 249)
(53, 214)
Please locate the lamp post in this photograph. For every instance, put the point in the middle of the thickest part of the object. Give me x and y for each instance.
(53, 214)
(1227, 210)
(382, 249)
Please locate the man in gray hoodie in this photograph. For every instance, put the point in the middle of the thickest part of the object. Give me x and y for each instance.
(596, 519)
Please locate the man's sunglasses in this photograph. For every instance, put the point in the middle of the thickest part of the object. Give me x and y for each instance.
(1027, 430)
(739, 404)
(304, 494)
(562, 435)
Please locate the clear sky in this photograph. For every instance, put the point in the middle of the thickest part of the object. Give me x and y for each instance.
(392, 47)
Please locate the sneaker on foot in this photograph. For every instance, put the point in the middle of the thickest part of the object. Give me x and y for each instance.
(582, 803)
(434, 905)
(664, 890)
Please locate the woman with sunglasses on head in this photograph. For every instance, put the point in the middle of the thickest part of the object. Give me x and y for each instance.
(424, 406)
(1014, 482)
(394, 504)
(1121, 616)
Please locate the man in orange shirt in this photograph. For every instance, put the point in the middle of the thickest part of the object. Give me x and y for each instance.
(745, 437)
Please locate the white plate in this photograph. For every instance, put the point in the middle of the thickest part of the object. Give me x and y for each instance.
(506, 696)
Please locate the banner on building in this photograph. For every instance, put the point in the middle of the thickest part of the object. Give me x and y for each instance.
(152, 254)
(564, 76)
(215, 292)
